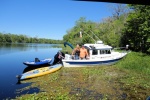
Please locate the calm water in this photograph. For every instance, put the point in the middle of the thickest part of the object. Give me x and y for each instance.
(12, 57)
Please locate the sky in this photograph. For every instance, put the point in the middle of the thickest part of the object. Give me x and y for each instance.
(48, 18)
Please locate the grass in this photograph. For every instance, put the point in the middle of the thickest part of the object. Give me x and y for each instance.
(126, 80)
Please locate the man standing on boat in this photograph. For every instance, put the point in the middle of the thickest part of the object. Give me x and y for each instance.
(83, 53)
(76, 52)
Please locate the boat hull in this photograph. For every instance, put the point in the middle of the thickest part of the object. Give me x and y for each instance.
(89, 63)
(40, 72)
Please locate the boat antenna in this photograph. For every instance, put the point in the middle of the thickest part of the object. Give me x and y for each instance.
(95, 35)
(88, 35)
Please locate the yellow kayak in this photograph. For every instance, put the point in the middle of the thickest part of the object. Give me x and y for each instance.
(39, 72)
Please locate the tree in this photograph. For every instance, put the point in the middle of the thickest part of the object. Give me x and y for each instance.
(2, 39)
(118, 10)
(8, 38)
(137, 28)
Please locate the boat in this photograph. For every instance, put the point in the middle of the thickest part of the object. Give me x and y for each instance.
(38, 62)
(99, 54)
(39, 72)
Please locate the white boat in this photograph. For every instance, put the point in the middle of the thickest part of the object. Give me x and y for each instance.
(99, 54)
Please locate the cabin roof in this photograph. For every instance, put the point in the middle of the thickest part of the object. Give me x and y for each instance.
(98, 46)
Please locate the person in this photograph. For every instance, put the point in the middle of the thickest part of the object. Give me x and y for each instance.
(83, 53)
(76, 52)
(58, 57)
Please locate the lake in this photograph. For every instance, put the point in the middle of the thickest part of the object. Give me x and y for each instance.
(12, 57)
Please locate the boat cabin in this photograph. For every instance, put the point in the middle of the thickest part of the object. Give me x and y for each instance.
(98, 51)
(98, 48)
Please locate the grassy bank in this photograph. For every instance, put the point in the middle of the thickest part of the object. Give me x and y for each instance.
(126, 80)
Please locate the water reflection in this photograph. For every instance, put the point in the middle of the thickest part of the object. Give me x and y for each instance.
(16, 47)
(12, 57)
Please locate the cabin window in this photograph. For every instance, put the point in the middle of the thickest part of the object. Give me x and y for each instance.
(104, 51)
(94, 52)
(101, 51)
(108, 52)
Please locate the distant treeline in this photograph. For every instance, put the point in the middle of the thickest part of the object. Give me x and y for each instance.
(14, 38)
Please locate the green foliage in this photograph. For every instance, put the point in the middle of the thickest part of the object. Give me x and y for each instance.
(137, 69)
(140, 65)
(73, 36)
(132, 28)
(109, 31)
(137, 28)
